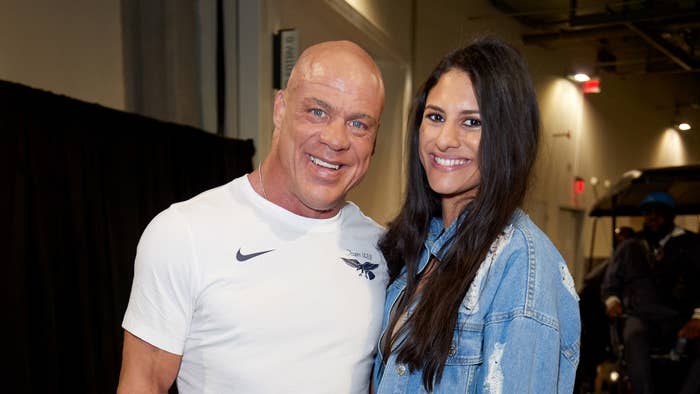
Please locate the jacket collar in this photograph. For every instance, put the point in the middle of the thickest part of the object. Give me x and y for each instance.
(438, 237)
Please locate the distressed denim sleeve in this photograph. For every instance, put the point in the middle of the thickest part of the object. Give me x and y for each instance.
(524, 355)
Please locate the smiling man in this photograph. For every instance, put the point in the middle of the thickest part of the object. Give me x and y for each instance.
(273, 282)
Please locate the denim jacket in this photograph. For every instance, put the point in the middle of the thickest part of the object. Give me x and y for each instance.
(518, 326)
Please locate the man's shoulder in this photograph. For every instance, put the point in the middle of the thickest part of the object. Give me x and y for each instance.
(687, 235)
(636, 243)
(354, 217)
(214, 198)
(685, 240)
(211, 204)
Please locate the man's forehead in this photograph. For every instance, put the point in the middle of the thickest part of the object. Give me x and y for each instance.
(342, 65)
(344, 80)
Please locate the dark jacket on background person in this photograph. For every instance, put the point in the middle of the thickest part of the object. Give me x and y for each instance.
(656, 280)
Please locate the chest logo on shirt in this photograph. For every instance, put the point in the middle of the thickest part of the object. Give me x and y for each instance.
(364, 268)
(244, 257)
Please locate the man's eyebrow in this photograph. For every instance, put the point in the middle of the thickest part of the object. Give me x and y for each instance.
(362, 115)
(328, 107)
(321, 103)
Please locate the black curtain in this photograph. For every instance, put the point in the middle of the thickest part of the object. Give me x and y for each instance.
(80, 183)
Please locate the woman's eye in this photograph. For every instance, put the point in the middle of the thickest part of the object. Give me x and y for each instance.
(472, 123)
(435, 117)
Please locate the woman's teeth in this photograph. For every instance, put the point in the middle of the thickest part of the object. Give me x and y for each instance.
(449, 162)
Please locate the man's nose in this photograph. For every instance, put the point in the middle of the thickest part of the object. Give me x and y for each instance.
(335, 135)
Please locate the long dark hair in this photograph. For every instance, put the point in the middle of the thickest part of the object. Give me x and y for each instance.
(509, 135)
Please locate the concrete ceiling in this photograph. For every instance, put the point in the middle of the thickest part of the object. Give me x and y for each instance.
(631, 37)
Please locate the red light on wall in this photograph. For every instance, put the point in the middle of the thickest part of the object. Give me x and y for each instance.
(579, 185)
(591, 86)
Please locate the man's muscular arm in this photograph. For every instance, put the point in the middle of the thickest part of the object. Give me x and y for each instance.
(146, 368)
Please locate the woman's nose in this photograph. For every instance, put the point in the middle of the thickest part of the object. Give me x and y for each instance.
(447, 138)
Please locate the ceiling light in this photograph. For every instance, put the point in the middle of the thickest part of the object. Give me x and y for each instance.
(684, 126)
(581, 77)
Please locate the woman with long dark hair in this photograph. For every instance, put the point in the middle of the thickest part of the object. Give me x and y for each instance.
(479, 299)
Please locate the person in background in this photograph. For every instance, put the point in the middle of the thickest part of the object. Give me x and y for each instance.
(654, 280)
(272, 283)
(623, 233)
(595, 328)
(479, 299)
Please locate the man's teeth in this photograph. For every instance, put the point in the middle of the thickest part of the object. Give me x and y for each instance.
(322, 163)
(449, 162)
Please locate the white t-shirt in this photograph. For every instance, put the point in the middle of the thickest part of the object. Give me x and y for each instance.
(257, 299)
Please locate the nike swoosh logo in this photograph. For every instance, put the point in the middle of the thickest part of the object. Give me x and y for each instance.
(243, 257)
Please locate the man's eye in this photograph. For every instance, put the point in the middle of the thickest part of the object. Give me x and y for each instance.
(435, 117)
(473, 123)
(317, 112)
(357, 124)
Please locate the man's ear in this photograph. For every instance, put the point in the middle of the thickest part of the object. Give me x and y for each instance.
(374, 144)
(279, 109)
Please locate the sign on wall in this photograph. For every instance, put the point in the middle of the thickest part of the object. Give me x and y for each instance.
(286, 47)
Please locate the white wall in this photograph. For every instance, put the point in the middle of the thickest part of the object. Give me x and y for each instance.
(392, 17)
(67, 47)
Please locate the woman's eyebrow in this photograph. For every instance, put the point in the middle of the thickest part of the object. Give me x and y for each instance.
(462, 112)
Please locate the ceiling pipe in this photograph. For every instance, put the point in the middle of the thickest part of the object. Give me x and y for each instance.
(577, 35)
(610, 18)
(676, 55)
(593, 27)
(644, 15)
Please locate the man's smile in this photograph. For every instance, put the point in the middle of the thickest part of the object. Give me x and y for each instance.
(323, 163)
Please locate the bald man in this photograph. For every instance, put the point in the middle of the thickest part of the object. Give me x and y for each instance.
(272, 283)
